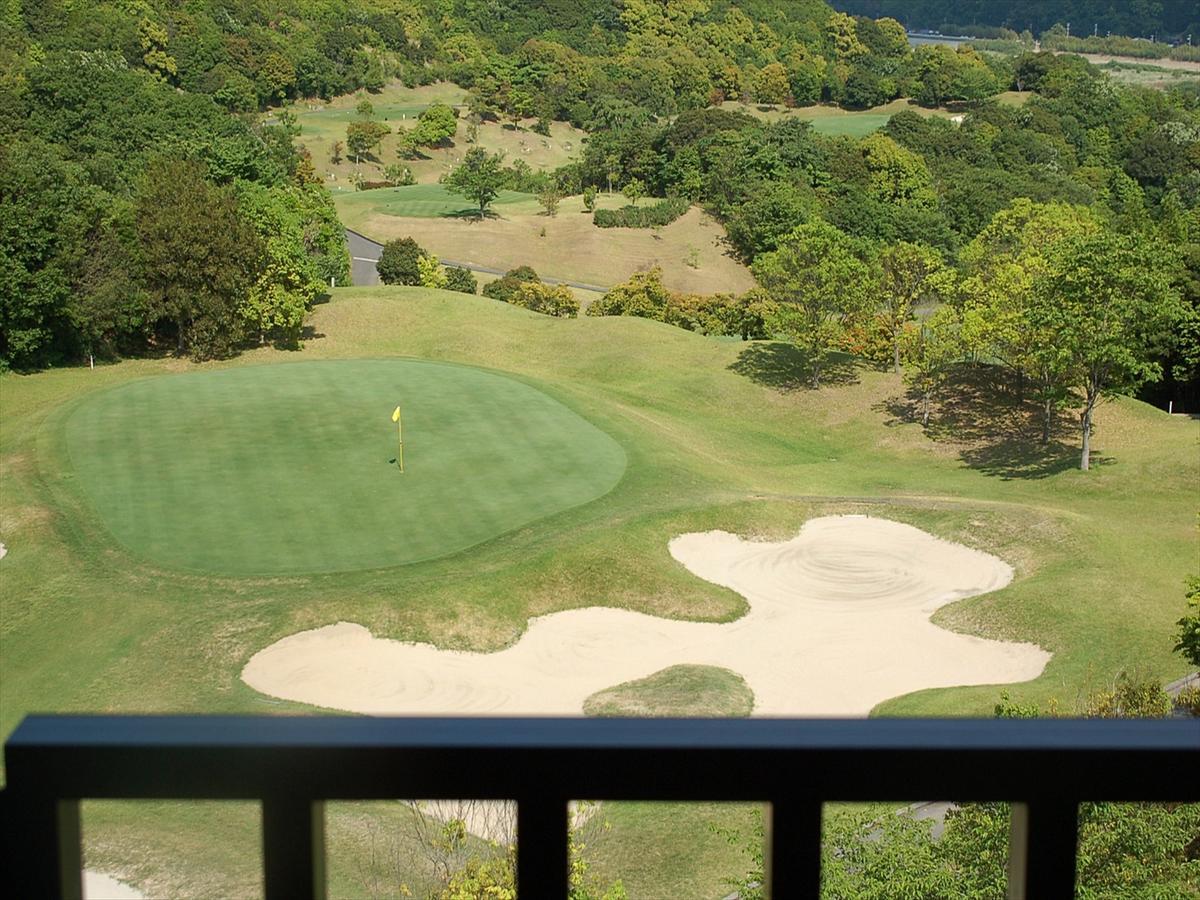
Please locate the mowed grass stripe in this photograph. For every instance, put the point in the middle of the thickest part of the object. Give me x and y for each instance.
(281, 469)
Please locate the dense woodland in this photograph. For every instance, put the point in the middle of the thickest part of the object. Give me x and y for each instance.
(150, 206)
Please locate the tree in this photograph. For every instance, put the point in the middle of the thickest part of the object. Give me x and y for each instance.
(362, 137)
(549, 299)
(461, 280)
(1108, 301)
(932, 352)
(436, 124)
(910, 274)
(819, 273)
(1189, 625)
(1003, 264)
(478, 179)
(634, 191)
(335, 152)
(506, 288)
(589, 198)
(548, 198)
(196, 258)
(399, 263)
(643, 295)
(430, 273)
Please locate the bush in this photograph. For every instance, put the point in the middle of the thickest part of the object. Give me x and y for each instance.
(372, 185)
(662, 213)
(748, 316)
(506, 288)
(548, 299)
(400, 262)
(460, 280)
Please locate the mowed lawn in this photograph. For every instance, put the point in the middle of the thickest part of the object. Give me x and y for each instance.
(428, 201)
(716, 434)
(286, 469)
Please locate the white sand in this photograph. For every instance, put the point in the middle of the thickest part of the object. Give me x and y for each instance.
(98, 886)
(838, 621)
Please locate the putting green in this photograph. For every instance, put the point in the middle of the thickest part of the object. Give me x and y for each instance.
(290, 468)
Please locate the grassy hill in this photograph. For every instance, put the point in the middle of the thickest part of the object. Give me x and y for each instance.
(717, 434)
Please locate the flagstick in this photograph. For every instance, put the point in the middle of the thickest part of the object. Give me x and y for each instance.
(400, 443)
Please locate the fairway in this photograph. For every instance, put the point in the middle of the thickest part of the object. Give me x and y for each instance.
(432, 201)
(290, 469)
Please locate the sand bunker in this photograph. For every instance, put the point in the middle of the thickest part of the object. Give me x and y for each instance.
(838, 621)
(98, 886)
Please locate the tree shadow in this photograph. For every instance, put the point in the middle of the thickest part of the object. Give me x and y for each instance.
(785, 367)
(995, 432)
(472, 214)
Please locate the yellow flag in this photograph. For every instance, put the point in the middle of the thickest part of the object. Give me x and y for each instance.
(396, 415)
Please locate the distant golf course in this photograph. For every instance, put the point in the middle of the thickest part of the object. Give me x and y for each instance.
(287, 469)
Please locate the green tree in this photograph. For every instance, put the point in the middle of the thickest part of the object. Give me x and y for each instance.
(506, 288)
(430, 273)
(479, 178)
(363, 136)
(1003, 264)
(197, 259)
(461, 280)
(589, 198)
(399, 263)
(643, 295)
(819, 273)
(548, 198)
(1109, 302)
(634, 190)
(548, 299)
(911, 274)
(1189, 625)
(436, 125)
(932, 351)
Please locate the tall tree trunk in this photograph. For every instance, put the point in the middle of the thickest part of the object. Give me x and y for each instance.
(1047, 414)
(925, 409)
(896, 349)
(1086, 422)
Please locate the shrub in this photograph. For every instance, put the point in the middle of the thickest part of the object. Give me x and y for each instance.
(431, 273)
(399, 262)
(506, 288)
(750, 316)
(662, 213)
(372, 185)
(460, 280)
(589, 198)
(548, 299)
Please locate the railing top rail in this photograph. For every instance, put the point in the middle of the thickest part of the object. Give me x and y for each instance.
(315, 732)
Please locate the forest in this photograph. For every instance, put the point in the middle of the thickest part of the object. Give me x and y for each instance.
(157, 198)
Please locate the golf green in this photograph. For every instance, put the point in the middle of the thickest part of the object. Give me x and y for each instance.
(291, 468)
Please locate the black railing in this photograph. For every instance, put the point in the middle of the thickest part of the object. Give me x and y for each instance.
(294, 764)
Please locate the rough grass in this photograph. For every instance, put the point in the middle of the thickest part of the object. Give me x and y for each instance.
(567, 246)
(687, 690)
(717, 435)
(857, 123)
(397, 106)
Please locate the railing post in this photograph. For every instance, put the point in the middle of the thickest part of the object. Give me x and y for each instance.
(792, 855)
(44, 851)
(541, 848)
(1042, 848)
(293, 848)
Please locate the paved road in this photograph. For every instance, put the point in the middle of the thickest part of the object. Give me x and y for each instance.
(364, 253)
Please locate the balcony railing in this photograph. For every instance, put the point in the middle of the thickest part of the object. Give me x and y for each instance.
(294, 764)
